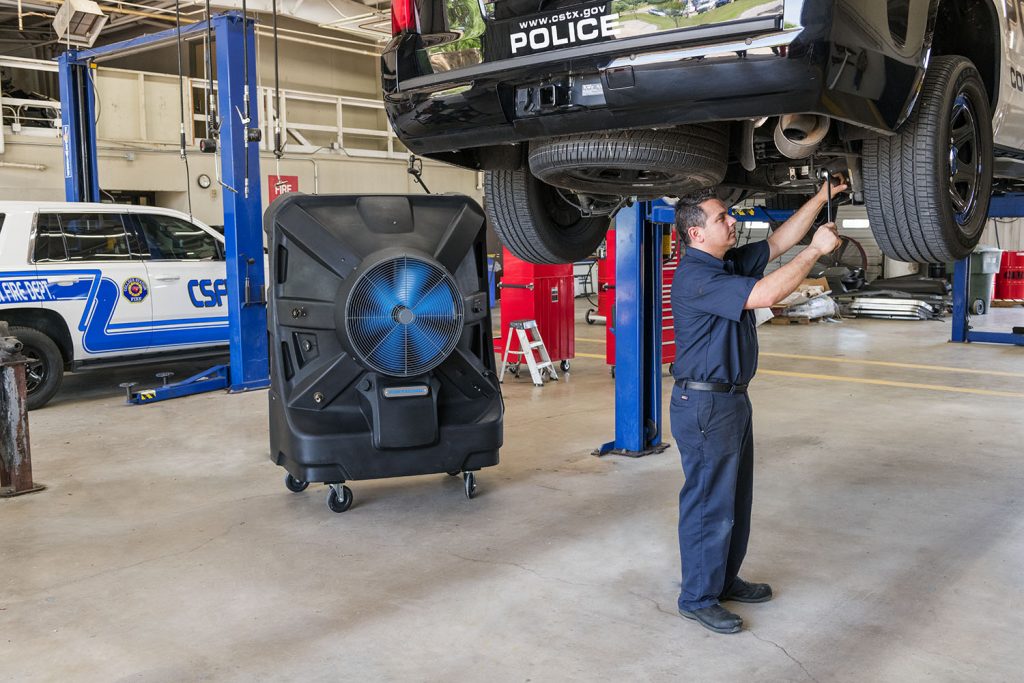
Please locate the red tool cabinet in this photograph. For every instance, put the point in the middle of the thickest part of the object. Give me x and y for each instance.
(543, 293)
(606, 298)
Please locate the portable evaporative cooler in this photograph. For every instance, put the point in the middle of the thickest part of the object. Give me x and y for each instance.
(381, 350)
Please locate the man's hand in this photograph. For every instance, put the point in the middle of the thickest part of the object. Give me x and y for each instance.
(780, 283)
(826, 239)
(838, 183)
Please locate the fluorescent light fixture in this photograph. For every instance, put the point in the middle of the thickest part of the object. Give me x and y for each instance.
(79, 22)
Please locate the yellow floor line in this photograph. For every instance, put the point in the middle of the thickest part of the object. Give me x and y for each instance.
(890, 364)
(891, 383)
(590, 355)
(879, 363)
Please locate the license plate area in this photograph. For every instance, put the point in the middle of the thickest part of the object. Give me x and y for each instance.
(559, 94)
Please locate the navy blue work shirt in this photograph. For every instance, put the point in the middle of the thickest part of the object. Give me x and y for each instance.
(716, 339)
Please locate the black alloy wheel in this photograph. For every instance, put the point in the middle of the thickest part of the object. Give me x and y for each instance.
(965, 164)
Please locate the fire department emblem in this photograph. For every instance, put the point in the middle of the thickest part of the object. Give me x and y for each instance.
(134, 289)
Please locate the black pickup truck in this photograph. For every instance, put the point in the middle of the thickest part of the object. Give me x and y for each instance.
(572, 107)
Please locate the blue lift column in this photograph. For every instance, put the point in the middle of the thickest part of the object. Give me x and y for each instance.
(243, 209)
(1002, 206)
(638, 422)
(243, 227)
(77, 117)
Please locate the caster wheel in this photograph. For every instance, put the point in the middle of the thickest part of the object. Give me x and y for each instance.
(515, 371)
(565, 365)
(339, 504)
(613, 372)
(469, 484)
(978, 307)
(294, 485)
(671, 368)
(588, 317)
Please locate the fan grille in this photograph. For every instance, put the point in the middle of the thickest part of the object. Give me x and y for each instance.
(404, 316)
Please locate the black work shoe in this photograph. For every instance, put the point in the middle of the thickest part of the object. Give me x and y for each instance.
(743, 591)
(715, 618)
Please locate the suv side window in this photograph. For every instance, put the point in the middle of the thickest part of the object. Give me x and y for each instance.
(49, 244)
(171, 238)
(95, 237)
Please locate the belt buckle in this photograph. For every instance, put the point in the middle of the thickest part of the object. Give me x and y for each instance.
(732, 388)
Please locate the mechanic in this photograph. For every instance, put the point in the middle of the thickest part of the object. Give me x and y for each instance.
(715, 290)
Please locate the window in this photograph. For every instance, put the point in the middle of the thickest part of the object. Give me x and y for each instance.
(49, 244)
(171, 238)
(899, 16)
(94, 237)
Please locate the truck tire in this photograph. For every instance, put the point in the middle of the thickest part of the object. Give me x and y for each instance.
(645, 163)
(44, 372)
(927, 188)
(536, 223)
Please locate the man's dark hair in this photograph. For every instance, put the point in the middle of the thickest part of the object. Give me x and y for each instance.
(689, 213)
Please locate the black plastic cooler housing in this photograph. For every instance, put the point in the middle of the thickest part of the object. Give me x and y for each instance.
(333, 416)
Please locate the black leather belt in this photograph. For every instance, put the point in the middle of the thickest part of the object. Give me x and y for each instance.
(717, 387)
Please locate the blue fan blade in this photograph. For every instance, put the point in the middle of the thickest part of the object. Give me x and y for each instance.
(436, 303)
(390, 351)
(411, 280)
(371, 328)
(422, 347)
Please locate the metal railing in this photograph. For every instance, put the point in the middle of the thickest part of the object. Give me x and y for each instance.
(310, 122)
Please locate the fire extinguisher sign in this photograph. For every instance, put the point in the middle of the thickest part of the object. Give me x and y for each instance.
(281, 184)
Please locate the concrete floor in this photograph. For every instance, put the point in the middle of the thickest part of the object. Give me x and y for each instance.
(889, 517)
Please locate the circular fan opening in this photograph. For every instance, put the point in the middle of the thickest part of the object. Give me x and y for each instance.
(404, 316)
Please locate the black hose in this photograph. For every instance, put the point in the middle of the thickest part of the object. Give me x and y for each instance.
(211, 123)
(277, 90)
(245, 90)
(181, 107)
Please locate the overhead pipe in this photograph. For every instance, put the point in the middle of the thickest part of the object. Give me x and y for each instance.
(341, 48)
(15, 164)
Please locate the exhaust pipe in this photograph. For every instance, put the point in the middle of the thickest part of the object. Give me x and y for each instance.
(797, 136)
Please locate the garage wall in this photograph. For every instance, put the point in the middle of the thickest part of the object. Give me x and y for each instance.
(334, 67)
(1005, 233)
(138, 126)
(128, 169)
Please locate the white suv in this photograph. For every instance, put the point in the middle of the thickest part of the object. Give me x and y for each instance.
(89, 285)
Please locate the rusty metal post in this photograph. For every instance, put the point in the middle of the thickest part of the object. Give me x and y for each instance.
(15, 455)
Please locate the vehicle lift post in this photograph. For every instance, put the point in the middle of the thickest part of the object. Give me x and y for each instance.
(243, 233)
(638, 238)
(1002, 206)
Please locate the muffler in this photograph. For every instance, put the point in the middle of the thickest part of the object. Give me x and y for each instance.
(797, 136)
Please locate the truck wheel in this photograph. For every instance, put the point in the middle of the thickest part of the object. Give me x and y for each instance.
(927, 188)
(536, 222)
(44, 372)
(646, 163)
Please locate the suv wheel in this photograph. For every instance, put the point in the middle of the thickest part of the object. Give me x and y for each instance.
(928, 187)
(646, 163)
(540, 223)
(44, 371)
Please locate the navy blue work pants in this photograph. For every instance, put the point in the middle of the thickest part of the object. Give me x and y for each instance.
(716, 444)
